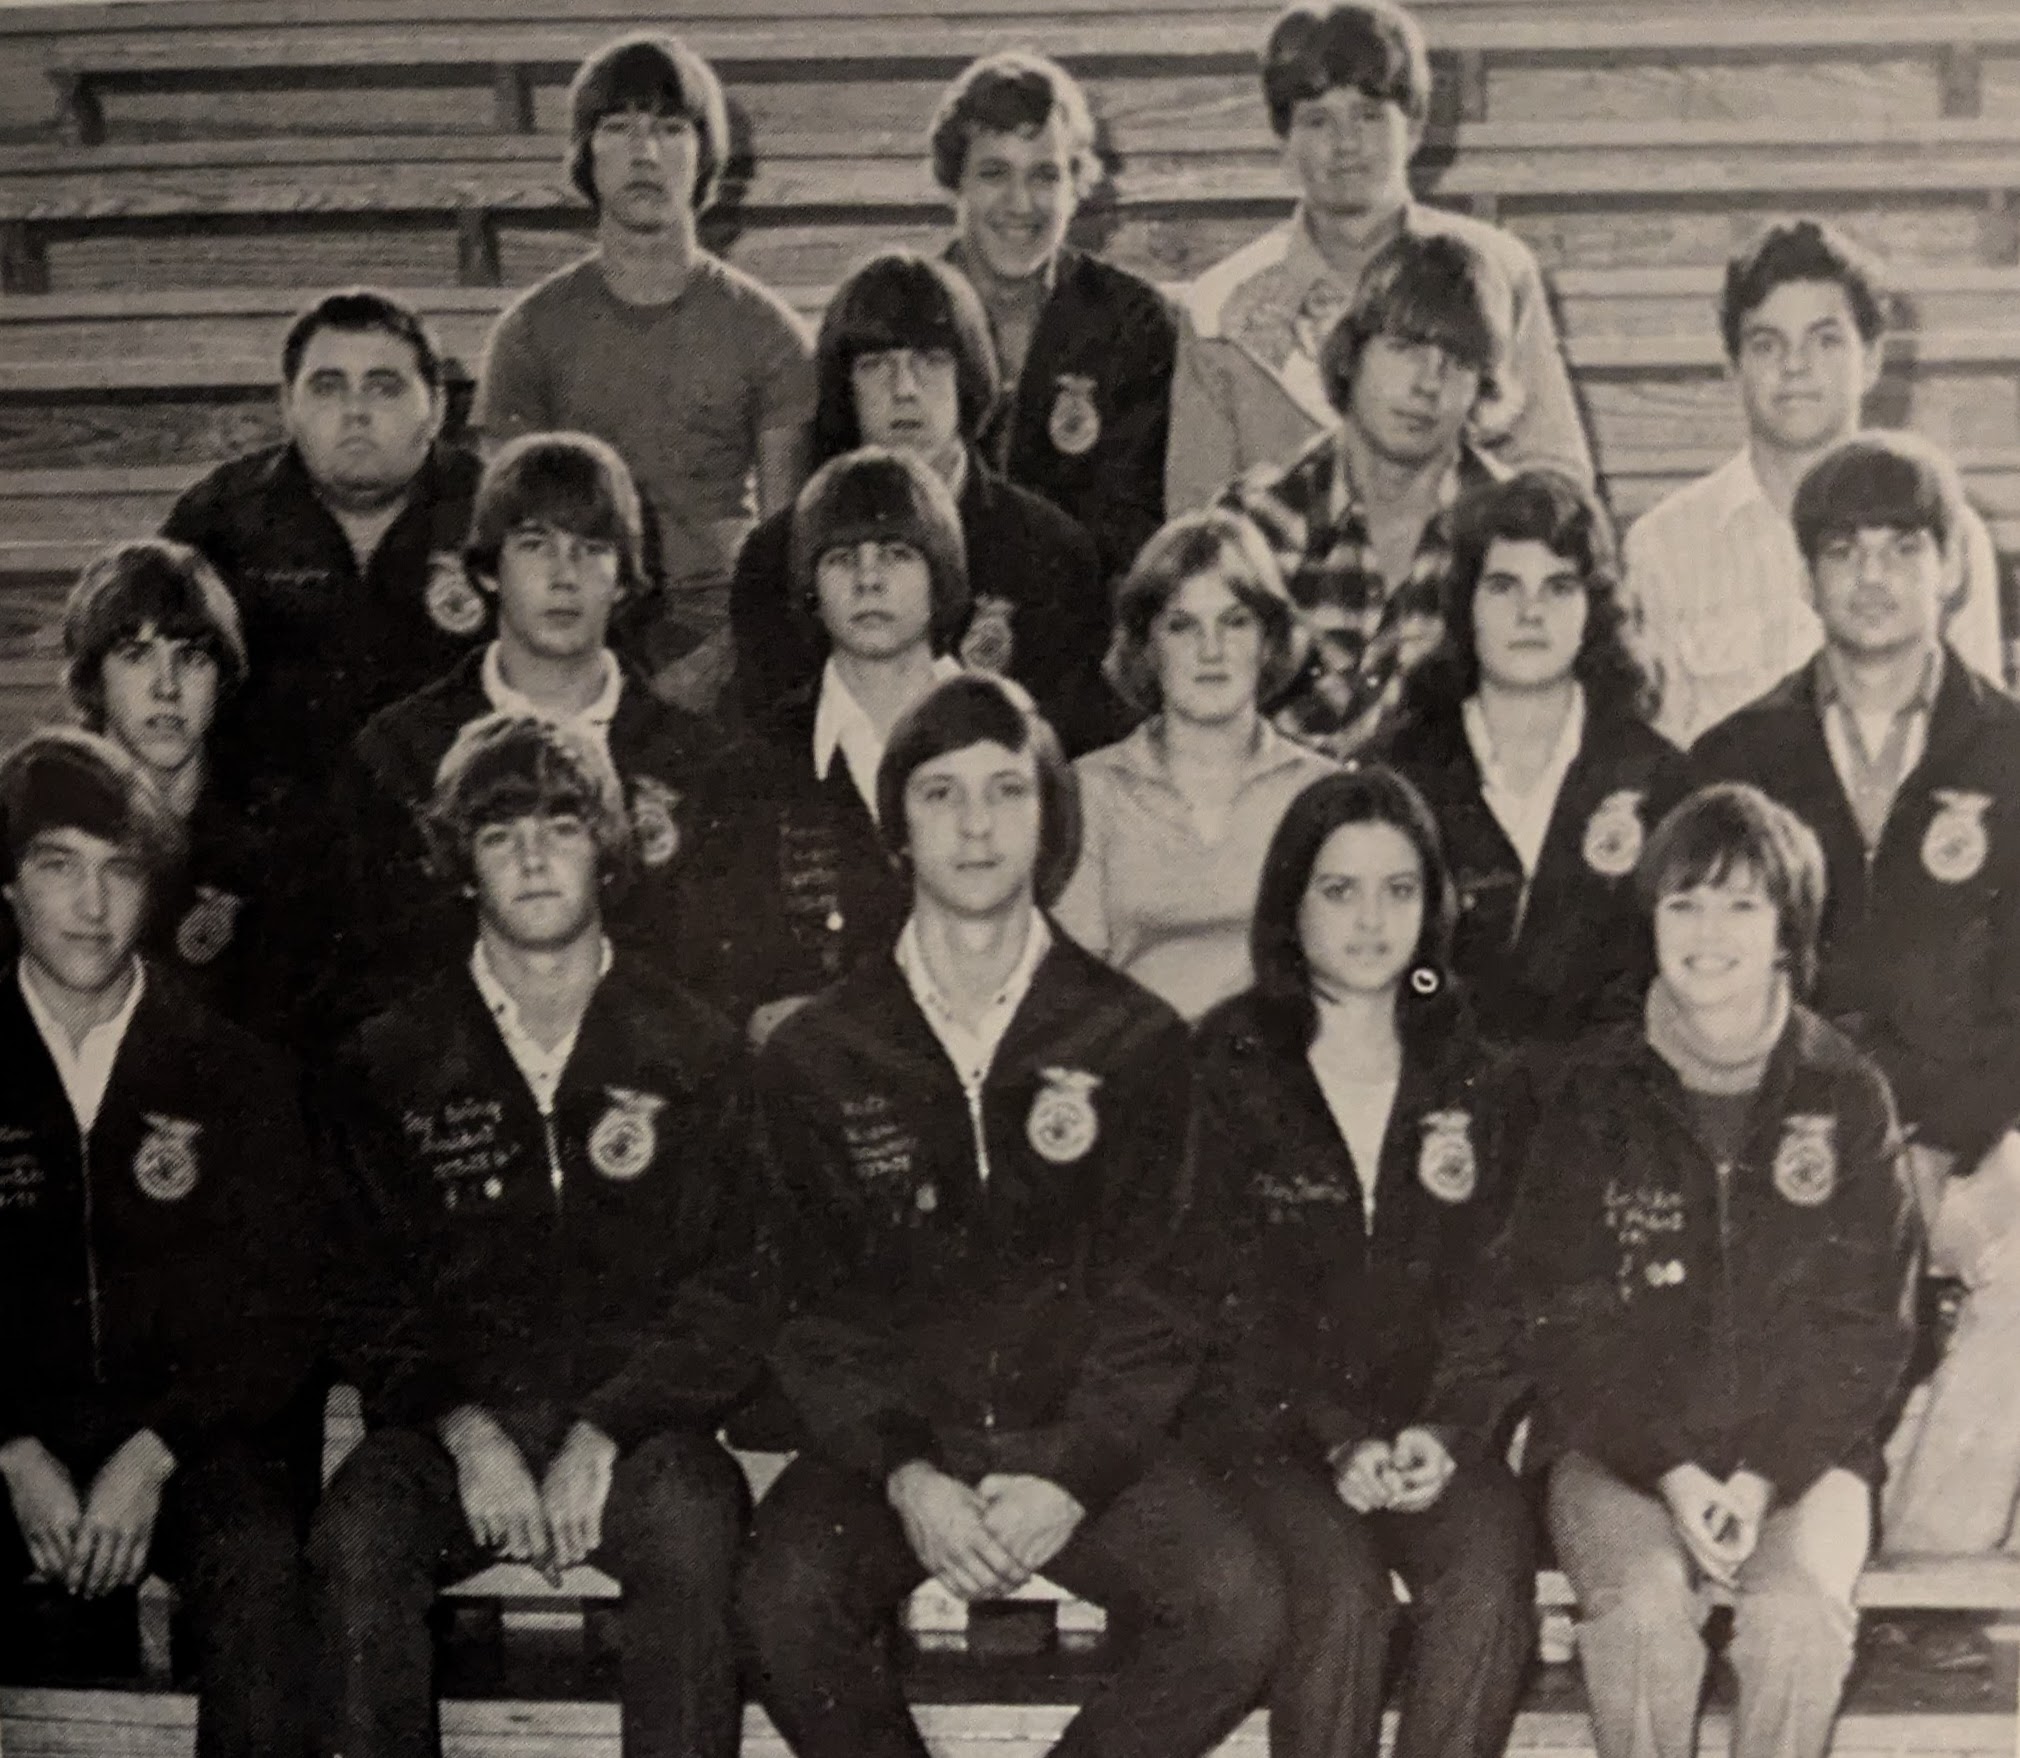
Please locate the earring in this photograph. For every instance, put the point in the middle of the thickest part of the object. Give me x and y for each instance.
(1426, 981)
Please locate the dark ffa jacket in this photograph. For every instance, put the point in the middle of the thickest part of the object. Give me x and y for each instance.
(1921, 947)
(789, 885)
(1040, 611)
(160, 1273)
(1086, 423)
(1325, 1335)
(397, 920)
(1572, 949)
(930, 1304)
(328, 646)
(602, 1260)
(1668, 1310)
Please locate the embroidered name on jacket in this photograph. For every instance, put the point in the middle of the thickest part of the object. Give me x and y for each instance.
(880, 1147)
(21, 1174)
(1642, 1219)
(459, 1141)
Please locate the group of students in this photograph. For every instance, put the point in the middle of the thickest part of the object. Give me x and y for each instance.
(1212, 1088)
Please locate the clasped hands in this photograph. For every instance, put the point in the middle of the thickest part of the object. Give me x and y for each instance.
(553, 1524)
(986, 1541)
(1718, 1522)
(97, 1542)
(1403, 1476)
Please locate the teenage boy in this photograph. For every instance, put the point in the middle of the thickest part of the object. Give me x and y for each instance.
(791, 884)
(1360, 520)
(340, 544)
(547, 1151)
(1721, 589)
(904, 360)
(1906, 763)
(1348, 86)
(152, 654)
(555, 543)
(155, 1222)
(695, 372)
(980, 1135)
(1086, 348)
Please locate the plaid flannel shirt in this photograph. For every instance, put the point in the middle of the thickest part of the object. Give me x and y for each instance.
(1365, 632)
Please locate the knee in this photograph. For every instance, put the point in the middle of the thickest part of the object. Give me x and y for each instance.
(1796, 1616)
(1650, 1594)
(678, 1504)
(1232, 1601)
(785, 1591)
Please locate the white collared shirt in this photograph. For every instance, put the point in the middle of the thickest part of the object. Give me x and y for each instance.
(841, 723)
(1870, 766)
(1524, 816)
(541, 1066)
(972, 1048)
(86, 1068)
(593, 721)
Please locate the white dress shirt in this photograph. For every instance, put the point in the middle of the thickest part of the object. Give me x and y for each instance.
(85, 1068)
(541, 1066)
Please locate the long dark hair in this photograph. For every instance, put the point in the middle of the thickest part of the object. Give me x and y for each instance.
(1366, 794)
(1546, 507)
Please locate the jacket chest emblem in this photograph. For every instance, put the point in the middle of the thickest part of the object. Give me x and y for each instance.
(454, 605)
(1956, 843)
(207, 925)
(1613, 834)
(626, 1136)
(1063, 1126)
(1075, 424)
(653, 823)
(1446, 1164)
(991, 643)
(1806, 1162)
(164, 1165)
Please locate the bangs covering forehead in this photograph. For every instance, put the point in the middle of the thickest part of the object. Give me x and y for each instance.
(143, 589)
(902, 300)
(1437, 298)
(643, 76)
(1874, 481)
(562, 491)
(526, 777)
(65, 779)
(1373, 48)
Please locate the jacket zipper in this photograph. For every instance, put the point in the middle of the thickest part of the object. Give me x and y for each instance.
(1729, 1326)
(91, 1266)
(553, 1157)
(973, 1094)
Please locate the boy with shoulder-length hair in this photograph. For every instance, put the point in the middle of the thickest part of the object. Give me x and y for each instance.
(1705, 1284)
(556, 543)
(1716, 575)
(1086, 347)
(650, 321)
(558, 1299)
(1409, 368)
(153, 656)
(156, 1268)
(981, 1134)
(1904, 761)
(1347, 84)
(904, 361)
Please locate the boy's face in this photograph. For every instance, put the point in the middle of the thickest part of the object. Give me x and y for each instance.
(360, 414)
(910, 400)
(1410, 400)
(642, 166)
(875, 597)
(160, 697)
(972, 822)
(1016, 198)
(536, 879)
(79, 903)
(1349, 154)
(1803, 368)
(1880, 590)
(556, 591)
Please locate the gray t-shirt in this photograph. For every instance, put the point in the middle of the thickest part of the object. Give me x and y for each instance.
(681, 390)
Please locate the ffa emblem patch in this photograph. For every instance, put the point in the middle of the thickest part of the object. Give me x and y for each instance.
(206, 929)
(165, 1164)
(1806, 1163)
(454, 605)
(1613, 835)
(989, 643)
(1075, 427)
(928, 1199)
(626, 1137)
(1445, 1163)
(1062, 1125)
(653, 823)
(1669, 1275)
(1956, 844)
